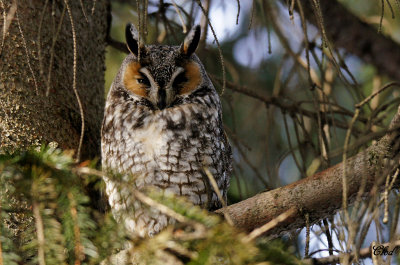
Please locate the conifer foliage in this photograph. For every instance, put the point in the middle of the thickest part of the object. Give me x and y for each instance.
(61, 226)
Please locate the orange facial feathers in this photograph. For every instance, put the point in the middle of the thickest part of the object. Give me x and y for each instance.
(131, 76)
(193, 76)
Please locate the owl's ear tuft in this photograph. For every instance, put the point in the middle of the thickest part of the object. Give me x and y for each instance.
(191, 41)
(132, 38)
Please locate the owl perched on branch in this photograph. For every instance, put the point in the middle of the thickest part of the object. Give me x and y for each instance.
(162, 126)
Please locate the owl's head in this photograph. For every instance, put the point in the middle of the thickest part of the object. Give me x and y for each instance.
(161, 76)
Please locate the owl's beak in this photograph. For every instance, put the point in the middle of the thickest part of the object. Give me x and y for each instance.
(161, 100)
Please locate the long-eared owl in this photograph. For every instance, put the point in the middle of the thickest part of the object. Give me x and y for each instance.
(162, 126)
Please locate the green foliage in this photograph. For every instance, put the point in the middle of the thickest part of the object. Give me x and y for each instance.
(7, 244)
(43, 196)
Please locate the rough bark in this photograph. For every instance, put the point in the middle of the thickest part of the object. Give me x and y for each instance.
(37, 97)
(28, 116)
(321, 194)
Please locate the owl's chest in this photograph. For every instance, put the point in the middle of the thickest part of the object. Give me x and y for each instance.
(162, 135)
(150, 140)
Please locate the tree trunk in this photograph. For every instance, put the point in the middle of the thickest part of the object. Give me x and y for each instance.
(49, 49)
(51, 71)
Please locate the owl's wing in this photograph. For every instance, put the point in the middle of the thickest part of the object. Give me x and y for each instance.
(219, 164)
(228, 164)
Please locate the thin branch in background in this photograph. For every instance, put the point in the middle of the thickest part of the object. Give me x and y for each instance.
(268, 226)
(291, 148)
(370, 97)
(221, 57)
(39, 46)
(299, 143)
(386, 202)
(320, 21)
(160, 207)
(344, 159)
(120, 46)
(238, 139)
(391, 9)
(382, 14)
(39, 232)
(140, 41)
(192, 6)
(145, 16)
(269, 113)
(395, 220)
(291, 9)
(219, 195)
(83, 11)
(328, 235)
(250, 164)
(346, 144)
(238, 184)
(7, 19)
(203, 23)
(94, 6)
(238, 12)
(307, 245)
(4, 25)
(240, 172)
(78, 154)
(184, 29)
(282, 103)
(78, 248)
(305, 40)
(326, 44)
(27, 53)
(55, 37)
(252, 14)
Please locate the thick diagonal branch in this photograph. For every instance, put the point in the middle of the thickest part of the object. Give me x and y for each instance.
(321, 194)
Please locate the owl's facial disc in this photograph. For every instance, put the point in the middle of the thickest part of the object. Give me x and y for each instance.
(139, 80)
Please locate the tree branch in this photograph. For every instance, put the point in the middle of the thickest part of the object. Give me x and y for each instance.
(117, 45)
(320, 195)
(347, 31)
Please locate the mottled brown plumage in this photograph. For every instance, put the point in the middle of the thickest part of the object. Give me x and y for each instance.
(162, 125)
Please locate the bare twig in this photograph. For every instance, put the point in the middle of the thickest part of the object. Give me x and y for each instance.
(218, 192)
(160, 207)
(78, 154)
(94, 6)
(221, 57)
(39, 232)
(359, 105)
(7, 20)
(117, 45)
(55, 37)
(79, 249)
(184, 29)
(27, 54)
(238, 12)
(83, 11)
(307, 247)
(39, 37)
(268, 226)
